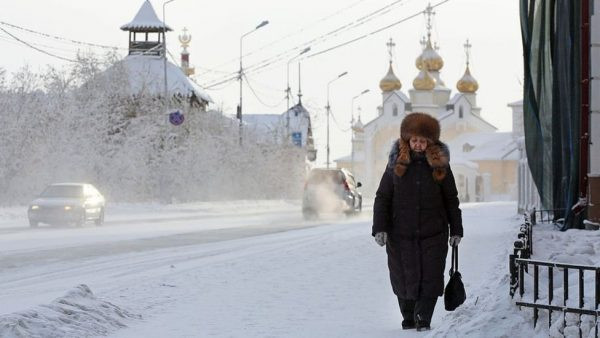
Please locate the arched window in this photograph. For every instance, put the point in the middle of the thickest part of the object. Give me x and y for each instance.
(395, 110)
(460, 112)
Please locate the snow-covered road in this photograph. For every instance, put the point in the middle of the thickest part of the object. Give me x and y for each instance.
(236, 270)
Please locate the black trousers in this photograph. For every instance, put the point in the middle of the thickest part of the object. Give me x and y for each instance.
(420, 309)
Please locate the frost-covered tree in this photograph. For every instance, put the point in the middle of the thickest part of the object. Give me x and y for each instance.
(80, 123)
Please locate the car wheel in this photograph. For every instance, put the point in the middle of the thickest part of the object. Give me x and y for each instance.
(33, 223)
(100, 220)
(309, 215)
(81, 221)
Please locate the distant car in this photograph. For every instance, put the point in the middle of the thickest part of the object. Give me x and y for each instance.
(62, 203)
(330, 190)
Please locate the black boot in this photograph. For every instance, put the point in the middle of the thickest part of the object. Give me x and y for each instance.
(408, 324)
(422, 325)
(407, 307)
(423, 312)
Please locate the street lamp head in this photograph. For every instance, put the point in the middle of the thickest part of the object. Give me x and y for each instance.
(344, 73)
(306, 50)
(262, 24)
(365, 91)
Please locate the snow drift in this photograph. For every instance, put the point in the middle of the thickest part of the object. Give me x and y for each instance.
(77, 314)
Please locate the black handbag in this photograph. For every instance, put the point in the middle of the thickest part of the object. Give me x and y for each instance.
(454, 293)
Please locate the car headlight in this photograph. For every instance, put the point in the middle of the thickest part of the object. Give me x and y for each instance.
(34, 207)
(67, 208)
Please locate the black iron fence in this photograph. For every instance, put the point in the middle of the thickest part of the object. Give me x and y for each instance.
(520, 261)
(545, 215)
(564, 308)
(522, 248)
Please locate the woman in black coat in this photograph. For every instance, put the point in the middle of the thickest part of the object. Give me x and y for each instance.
(416, 210)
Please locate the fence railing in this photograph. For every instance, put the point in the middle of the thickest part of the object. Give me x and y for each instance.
(523, 263)
(520, 261)
(545, 215)
(522, 248)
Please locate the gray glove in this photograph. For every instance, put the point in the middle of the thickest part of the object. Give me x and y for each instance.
(454, 240)
(381, 238)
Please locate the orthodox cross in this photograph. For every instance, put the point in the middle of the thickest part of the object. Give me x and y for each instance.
(390, 46)
(429, 13)
(423, 42)
(467, 46)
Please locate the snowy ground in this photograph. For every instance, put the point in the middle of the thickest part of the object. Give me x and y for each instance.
(250, 269)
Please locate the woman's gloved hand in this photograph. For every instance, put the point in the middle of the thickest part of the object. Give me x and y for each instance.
(454, 240)
(381, 238)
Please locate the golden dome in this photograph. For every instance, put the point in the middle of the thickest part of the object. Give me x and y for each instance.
(424, 81)
(430, 58)
(419, 62)
(467, 83)
(390, 82)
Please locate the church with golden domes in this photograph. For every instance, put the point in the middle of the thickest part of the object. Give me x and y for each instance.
(484, 161)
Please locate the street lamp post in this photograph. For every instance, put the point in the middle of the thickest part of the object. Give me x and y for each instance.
(352, 126)
(166, 93)
(329, 112)
(288, 90)
(241, 74)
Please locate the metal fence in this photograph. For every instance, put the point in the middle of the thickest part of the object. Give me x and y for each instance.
(523, 263)
(522, 248)
(520, 261)
(545, 215)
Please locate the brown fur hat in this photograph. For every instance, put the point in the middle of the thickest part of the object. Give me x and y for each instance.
(420, 124)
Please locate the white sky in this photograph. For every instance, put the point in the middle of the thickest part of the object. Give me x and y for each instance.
(491, 26)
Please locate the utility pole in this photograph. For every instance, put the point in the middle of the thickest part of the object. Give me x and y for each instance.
(241, 75)
(328, 107)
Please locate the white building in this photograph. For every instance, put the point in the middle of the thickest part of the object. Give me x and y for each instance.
(293, 126)
(483, 160)
(143, 69)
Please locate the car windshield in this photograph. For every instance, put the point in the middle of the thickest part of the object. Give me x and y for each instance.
(68, 191)
(322, 176)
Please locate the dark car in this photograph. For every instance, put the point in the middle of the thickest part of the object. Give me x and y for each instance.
(62, 203)
(331, 190)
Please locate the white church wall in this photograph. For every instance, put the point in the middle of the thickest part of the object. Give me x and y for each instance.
(465, 177)
(517, 119)
(441, 97)
(393, 105)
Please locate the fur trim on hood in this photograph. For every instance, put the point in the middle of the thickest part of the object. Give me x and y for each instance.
(437, 155)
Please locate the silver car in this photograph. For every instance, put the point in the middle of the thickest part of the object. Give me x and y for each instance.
(62, 203)
(330, 191)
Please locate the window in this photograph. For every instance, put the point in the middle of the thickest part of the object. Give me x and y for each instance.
(460, 112)
(395, 110)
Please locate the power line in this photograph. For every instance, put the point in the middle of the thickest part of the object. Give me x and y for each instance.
(291, 34)
(10, 40)
(343, 130)
(59, 38)
(259, 99)
(320, 39)
(36, 48)
(254, 68)
(373, 32)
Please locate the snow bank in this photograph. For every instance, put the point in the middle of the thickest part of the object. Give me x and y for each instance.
(77, 314)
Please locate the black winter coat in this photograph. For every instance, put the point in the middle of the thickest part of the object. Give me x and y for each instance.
(418, 213)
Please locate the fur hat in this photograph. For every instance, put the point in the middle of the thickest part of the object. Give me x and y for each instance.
(420, 124)
(437, 153)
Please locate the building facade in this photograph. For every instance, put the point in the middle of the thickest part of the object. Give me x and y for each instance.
(484, 161)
